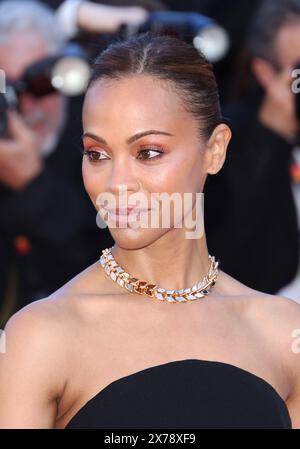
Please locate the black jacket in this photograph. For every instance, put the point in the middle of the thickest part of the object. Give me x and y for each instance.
(250, 214)
(56, 215)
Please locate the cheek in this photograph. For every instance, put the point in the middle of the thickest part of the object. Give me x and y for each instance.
(93, 181)
(182, 175)
(87, 177)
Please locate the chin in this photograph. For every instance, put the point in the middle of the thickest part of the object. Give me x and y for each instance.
(131, 239)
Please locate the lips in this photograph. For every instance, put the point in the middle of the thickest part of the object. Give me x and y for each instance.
(127, 211)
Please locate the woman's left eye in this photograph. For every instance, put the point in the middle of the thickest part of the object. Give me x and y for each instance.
(150, 150)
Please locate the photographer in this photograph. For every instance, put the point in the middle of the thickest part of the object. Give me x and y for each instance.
(47, 225)
(258, 200)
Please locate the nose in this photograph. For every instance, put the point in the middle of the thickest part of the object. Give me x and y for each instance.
(123, 177)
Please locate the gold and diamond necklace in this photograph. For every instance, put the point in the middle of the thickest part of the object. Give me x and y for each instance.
(134, 285)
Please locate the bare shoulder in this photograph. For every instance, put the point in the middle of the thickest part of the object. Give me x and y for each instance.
(279, 324)
(61, 312)
(41, 332)
(33, 365)
(89, 292)
(231, 287)
(278, 319)
(267, 310)
(47, 318)
(38, 349)
(45, 330)
(275, 319)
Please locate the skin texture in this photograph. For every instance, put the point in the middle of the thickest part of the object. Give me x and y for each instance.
(91, 332)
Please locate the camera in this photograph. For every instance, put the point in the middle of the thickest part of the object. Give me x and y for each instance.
(67, 72)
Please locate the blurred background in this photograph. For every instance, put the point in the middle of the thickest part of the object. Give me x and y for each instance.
(48, 230)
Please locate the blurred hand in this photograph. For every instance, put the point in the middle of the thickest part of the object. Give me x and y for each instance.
(278, 109)
(97, 18)
(20, 159)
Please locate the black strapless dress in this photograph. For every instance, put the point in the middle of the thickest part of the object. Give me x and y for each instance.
(185, 394)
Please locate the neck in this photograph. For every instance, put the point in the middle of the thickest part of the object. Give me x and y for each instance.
(168, 263)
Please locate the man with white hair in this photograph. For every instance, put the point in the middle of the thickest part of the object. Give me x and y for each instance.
(45, 215)
(29, 32)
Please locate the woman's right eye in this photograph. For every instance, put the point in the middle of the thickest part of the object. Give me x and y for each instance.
(94, 156)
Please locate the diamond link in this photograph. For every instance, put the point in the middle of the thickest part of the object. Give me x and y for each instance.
(134, 285)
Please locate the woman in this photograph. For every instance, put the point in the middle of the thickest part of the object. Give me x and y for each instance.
(105, 351)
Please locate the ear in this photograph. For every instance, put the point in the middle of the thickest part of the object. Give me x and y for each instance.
(216, 148)
(263, 72)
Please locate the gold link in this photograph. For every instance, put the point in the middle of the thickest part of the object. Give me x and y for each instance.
(150, 290)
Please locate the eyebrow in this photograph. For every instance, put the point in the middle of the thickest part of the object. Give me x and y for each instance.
(130, 139)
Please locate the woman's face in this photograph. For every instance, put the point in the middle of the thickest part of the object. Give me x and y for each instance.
(171, 158)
